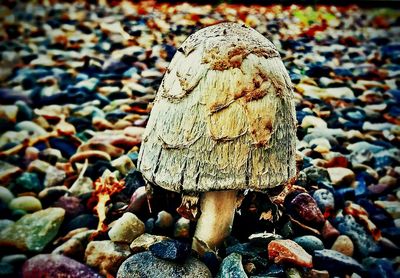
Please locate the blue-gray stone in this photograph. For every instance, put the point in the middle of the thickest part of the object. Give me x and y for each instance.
(232, 267)
(171, 250)
(336, 262)
(309, 243)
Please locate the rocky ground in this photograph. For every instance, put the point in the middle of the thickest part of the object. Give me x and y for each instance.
(76, 83)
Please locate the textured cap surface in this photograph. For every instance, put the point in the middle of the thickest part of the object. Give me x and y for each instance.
(223, 117)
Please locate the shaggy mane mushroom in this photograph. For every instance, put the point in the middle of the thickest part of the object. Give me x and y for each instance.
(223, 120)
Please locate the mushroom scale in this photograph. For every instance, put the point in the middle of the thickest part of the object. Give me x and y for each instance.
(223, 117)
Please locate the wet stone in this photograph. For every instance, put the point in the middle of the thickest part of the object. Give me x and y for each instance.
(27, 182)
(145, 264)
(379, 267)
(5, 195)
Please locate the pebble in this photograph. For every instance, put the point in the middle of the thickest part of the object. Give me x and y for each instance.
(325, 201)
(75, 246)
(304, 208)
(106, 256)
(145, 264)
(182, 228)
(26, 203)
(232, 266)
(52, 265)
(344, 245)
(170, 249)
(340, 176)
(4, 223)
(309, 243)
(288, 251)
(127, 228)
(27, 182)
(33, 231)
(363, 242)
(5, 195)
(144, 241)
(164, 220)
(336, 262)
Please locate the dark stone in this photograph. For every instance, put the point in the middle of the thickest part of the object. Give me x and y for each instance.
(275, 270)
(336, 263)
(133, 180)
(27, 182)
(171, 250)
(67, 147)
(392, 233)
(211, 261)
(146, 265)
(316, 174)
(72, 205)
(325, 201)
(81, 221)
(382, 268)
(304, 208)
(6, 270)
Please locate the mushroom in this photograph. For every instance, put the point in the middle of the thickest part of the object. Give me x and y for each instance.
(223, 121)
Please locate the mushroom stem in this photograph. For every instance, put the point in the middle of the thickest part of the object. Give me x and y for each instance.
(215, 222)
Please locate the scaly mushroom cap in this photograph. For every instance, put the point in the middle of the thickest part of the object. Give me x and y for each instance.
(223, 117)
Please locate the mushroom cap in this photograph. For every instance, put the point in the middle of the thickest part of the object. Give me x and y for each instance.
(223, 117)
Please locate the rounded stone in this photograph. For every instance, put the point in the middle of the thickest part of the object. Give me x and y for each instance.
(5, 195)
(26, 203)
(126, 228)
(325, 200)
(344, 245)
(309, 243)
(146, 265)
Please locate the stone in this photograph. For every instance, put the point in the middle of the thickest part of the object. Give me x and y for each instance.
(232, 266)
(82, 185)
(388, 180)
(325, 201)
(288, 251)
(54, 177)
(4, 223)
(127, 228)
(170, 249)
(72, 205)
(38, 166)
(81, 221)
(146, 265)
(51, 194)
(5, 195)
(336, 263)
(182, 228)
(341, 176)
(28, 182)
(312, 121)
(329, 232)
(6, 269)
(52, 265)
(144, 241)
(138, 201)
(344, 245)
(379, 267)
(123, 164)
(15, 259)
(309, 243)
(33, 231)
(26, 203)
(363, 242)
(164, 220)
(133, 181)
(106, 256)
(8, 171)
(75, 246)
(293, 273)
(304, 208)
